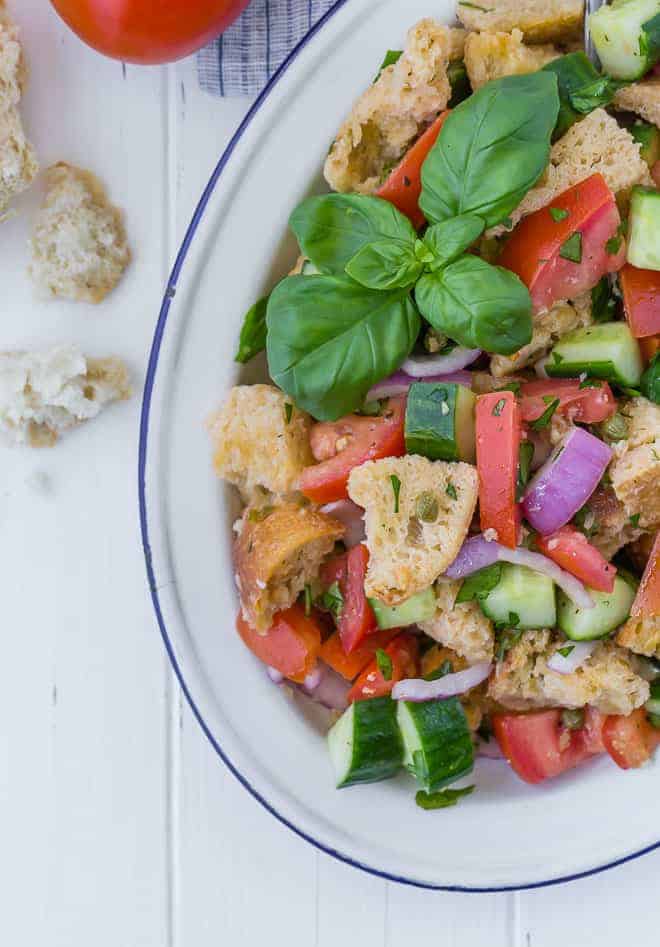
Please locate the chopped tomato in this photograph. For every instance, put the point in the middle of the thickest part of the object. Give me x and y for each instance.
(404, 185)
(538, 252)
(498, 431)
(291, 645)
(647, 600)
(586, 405)
(538, 747)
(631, 740)
(641, 300)
(347, 443)
(350, 665)
(648, 347)
(571, 550)
(356, 618)
(403, 652)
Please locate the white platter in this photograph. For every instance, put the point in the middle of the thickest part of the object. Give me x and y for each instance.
(507, 834)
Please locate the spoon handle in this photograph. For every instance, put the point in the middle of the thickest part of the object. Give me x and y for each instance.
(590, 7)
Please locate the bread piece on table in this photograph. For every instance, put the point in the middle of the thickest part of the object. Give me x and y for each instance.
(490, 56)
(643, 98)
(18, 162)
(462, 627)
(79, 246)
(539, 20)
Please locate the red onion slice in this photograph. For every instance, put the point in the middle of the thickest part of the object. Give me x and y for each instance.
(490, 750)
(417, 690)
(580, 651)
(475, 553)
(564, 483)
(400, 382)
(327, 688)
(352, 517)
(426, 366)
(276, 676)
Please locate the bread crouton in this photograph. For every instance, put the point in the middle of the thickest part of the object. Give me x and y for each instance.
(79, 248)
(18, 162)
(462, 627)
(483, 383)
(490, 56)
(607, 524)
(260, 439)
(606, 680)
(277, 552)
(457, 38)
(548, 328)
(392, 112)
(43, 394)
(643, 98)
(407, 554)
(539, 20)
(643, 421)
(12, 66)
(641, 635)
(635, 471)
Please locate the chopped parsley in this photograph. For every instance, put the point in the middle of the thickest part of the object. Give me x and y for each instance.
(557, 214)
(505, 639)
(571, 249)
(603, 304)
(499, 407)
(308, 600)
(525, 454)
(590, 383)
(513, 386)
(634, 520)
(396, 488)
(444, 798)
(566, 651)
(557, 358)
(288, 411)
(445, 668)
(451, 491)
(384, 662)
(333, 600)
(544, 419)
(613, 245)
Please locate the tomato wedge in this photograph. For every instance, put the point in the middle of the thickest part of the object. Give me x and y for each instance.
(648, 347)
(641, 300)
(356, 619)
(403, 652)
(498, 431)
(347, 443)
(631, 740)
(538, 747)
(350, 665)
(571, 550)
(587, 405)
(404, 185)
(647, 600)
(534, 250)
(291, 645)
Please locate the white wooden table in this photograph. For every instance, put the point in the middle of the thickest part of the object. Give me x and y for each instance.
(119, 827)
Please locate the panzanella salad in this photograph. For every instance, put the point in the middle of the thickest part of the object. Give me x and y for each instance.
(451, 484)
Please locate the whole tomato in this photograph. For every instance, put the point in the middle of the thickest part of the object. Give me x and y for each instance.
(148, 31)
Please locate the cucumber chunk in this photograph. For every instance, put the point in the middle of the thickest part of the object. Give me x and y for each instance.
(419, 607)
(437, 744)
(610, 611)
(440, 421)
(522, 598)
(625, 35)
(644, 229)
(648, 137)
(365, 743)
(606, 351)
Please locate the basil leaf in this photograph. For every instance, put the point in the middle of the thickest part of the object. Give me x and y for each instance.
(603, 304)
(449, 239)
(525, 454)
(333, 227)
(650, 383)
(493, 148)
(649, 41)
(444, 798)
(391, 57)
(253, 332)
(385, 265)
(581, 88)
(480, 583)
(478, 305)
(330, 340)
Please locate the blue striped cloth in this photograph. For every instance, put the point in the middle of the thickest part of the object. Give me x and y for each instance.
(242, 60)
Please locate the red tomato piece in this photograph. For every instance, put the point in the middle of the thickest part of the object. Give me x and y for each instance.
(641, 300)
(342, 445)
(538, 747)
(647, 600)
(586, 405)
(533, 250)
(404, 185)
(403, 652)
(350, 665)
(648, 347)
(356, 619)
(291, 645)
(631, 740)
(498, 431)
(571, 550)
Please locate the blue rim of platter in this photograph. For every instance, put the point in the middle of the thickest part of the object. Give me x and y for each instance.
(144, 523)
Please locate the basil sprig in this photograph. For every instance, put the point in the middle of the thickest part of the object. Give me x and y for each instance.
(581, 88)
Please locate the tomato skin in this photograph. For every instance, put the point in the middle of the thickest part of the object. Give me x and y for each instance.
(498, 432)
(143, 31)
(368, 439)
(350, 665)
(404, 185)
(291, 645)
(641, 300)
(649, 346)
(647, 600)
(571, 550)
(357, 618)
(586, 405)
(404, 652)
(631, 740)
(532, 251)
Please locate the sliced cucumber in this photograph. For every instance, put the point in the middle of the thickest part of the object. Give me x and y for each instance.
(419, 607)
(308, 269)
(440, 421)
(437, 744)
(606, 351)
(365, 743)
(644, 229)
(625, 37)
(521, 599)
(648, 137)
(611, 609)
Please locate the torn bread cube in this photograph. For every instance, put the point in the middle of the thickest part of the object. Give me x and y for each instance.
(279, 550)
(18, 162)
(641, 635)
(464, 628)
(393, 112)
(539, 20)
(606, 523)
(548, 328)
(642, 98)
(491, 56)
(417, 515)
(12, 64)
(43, 394)
(79, 247)
(260, 439)
(635, 469)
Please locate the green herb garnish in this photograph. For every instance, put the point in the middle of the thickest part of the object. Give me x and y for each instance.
(384, 662)
(546, 417)
(566, 651)
(499, 407)
(558, 213)
(396, 488)
(451, 491)
(634, 520)
(571, 249)
(442, 671)
(444, 798)
(480, 583)
(333, 600)
(308, 600)
(288, 411)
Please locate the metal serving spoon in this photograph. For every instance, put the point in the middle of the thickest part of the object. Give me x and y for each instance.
(590, 6)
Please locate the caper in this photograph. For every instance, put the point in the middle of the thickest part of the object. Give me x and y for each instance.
(426, 507)
(615, 428)
(573, 719)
